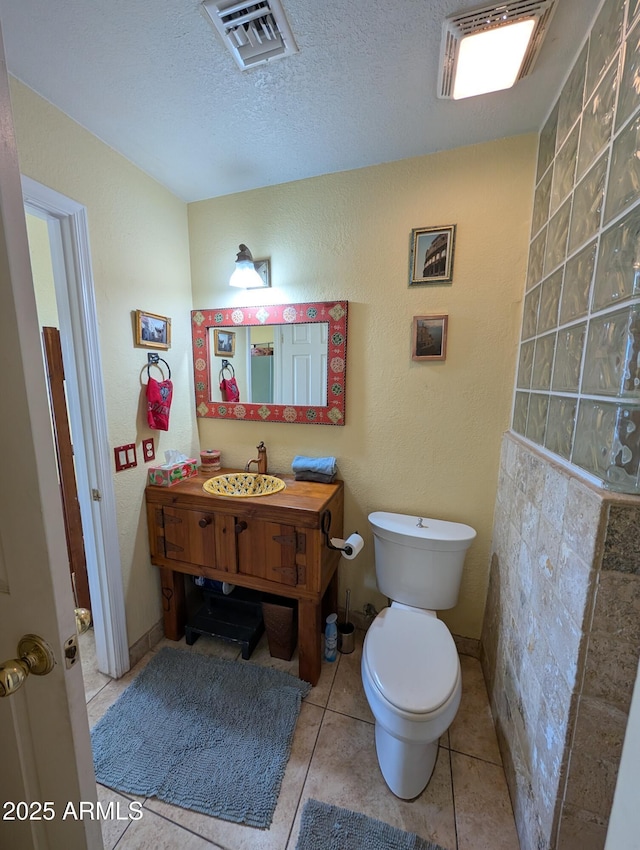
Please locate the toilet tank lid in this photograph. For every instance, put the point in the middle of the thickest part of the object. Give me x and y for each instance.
(429, 529)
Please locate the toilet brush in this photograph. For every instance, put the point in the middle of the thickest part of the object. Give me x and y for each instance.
(346, 630)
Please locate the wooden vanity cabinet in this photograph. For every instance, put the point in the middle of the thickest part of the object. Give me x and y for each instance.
(269, 551)
(273, 544)
(199, 537)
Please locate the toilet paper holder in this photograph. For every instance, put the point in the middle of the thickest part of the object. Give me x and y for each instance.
(325, 526)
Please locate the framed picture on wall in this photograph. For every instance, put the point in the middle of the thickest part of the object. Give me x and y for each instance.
(429, 337)
(152, 331)
(431, 255)
(224, 343)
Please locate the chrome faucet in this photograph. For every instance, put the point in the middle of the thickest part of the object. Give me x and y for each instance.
(261, 460)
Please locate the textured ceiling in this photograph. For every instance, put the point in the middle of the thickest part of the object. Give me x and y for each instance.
(153, 80)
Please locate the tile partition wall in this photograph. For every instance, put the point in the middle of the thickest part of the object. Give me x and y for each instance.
(561, 636)
(578, 380)
(560, 644)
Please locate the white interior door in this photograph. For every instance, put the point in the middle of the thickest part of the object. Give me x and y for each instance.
(77, 313)
(46, 752)
(302, 358)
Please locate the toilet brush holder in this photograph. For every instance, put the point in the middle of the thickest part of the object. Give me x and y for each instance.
(346, 638)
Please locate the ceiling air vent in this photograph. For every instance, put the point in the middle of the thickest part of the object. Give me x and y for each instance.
(486, 18)
(254, 32)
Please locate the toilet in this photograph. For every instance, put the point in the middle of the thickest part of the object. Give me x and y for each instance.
(410, 665)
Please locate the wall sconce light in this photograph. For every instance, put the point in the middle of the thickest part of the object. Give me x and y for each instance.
(491, 48)
(250, 273)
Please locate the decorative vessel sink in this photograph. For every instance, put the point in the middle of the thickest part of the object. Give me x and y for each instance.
(243, 484)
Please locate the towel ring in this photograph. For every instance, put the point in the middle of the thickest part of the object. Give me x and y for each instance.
(226, 365)
(153, 360)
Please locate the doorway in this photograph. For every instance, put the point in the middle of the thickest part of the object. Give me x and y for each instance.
(69, 297)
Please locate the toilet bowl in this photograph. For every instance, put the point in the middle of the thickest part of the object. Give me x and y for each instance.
(411, 678)
(410, 666)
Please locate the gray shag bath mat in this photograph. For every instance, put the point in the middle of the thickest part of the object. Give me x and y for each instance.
(325, 827)
(202, 733)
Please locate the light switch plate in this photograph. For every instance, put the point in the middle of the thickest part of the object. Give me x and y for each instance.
(148, 449)
(125, 457)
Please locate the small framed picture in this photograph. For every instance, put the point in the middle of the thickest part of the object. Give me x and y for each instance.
(224, 343)
(152, 331)
(431, 255)
(429, 339)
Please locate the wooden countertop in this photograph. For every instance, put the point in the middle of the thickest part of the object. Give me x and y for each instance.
(300, 503)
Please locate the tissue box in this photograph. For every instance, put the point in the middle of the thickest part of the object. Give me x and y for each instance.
(165, 476)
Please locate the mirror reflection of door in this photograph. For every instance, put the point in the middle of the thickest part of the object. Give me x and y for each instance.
(283, 364)
(302, 360)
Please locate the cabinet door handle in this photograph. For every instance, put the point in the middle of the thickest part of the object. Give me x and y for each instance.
(240, 526)
(204, 522)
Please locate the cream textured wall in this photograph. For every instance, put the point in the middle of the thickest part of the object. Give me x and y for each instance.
(140, 255)
(42, 270)
(420, 438)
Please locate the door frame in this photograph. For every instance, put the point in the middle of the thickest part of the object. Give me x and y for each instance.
(75, 295)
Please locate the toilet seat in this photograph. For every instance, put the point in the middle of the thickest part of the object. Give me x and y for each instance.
(412, 660)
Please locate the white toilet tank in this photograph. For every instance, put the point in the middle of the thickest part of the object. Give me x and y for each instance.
(418, 560)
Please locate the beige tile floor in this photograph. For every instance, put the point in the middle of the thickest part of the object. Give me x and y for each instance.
(466, 805)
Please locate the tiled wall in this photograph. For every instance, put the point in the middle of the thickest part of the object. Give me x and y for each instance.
(560, 644)
(561, 635)
(578, 380)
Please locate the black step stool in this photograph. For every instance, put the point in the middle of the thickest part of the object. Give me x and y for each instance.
(236, 617)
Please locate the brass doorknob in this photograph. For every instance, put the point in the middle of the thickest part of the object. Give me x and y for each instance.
(83, 620)
(34, 656)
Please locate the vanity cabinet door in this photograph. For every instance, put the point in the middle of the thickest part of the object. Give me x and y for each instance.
(270, 551)
(200, 537)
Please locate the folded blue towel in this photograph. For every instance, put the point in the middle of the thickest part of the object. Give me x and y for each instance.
(325, 465)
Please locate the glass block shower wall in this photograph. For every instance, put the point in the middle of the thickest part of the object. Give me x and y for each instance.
(578, 379)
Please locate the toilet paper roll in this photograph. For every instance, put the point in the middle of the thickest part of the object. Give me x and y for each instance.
(354, 544)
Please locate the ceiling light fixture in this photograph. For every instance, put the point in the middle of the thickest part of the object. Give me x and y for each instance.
(491, 48)
(249, 274)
